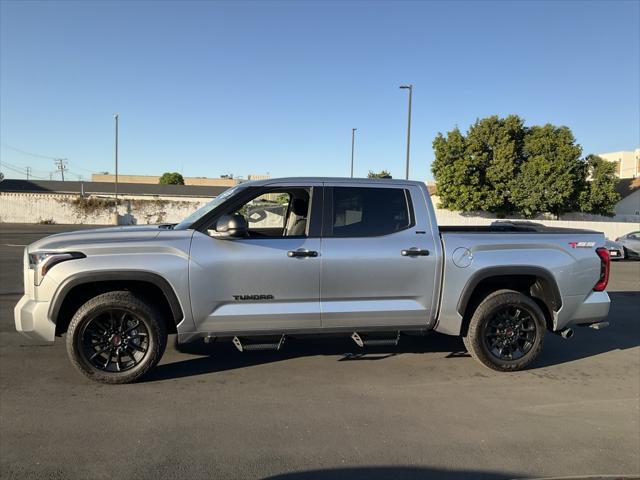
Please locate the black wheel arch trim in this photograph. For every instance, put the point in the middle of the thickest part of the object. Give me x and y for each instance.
(115, 275)
(515, 270)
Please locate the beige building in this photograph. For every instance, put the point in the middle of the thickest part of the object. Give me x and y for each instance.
(258, 176)
(210, 182)
(627, 163)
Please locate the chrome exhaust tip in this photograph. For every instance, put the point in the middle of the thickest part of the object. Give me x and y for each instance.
(565, 333)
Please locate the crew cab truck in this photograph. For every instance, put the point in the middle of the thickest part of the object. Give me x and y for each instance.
(280, 258)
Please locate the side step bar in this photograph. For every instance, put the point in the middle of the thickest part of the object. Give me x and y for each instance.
(246, 347)
(374, 341)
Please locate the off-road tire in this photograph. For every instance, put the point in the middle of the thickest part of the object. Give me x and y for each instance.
(474, 340)
(143, 310)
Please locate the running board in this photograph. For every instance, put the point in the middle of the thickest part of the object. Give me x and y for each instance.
(374, 341)
(246, 347)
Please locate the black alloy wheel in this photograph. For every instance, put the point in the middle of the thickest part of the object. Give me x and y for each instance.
(506, 331)
(115, 341)
(116, 337)
(510, 333)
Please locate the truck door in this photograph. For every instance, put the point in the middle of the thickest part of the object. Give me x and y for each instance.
(378, 257)
(268, 279)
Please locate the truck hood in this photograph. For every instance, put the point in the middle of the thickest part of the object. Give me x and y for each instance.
(94, 236)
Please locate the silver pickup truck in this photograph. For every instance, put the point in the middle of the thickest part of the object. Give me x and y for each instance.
(288, 257)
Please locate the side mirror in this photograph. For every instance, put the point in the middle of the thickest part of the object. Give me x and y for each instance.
(231, 226)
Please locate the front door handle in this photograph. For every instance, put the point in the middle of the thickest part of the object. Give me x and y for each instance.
(302, 252)
(415, 252)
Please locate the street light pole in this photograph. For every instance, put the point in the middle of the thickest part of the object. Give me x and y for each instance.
(116, 116)
(410, 88)
(353, 143)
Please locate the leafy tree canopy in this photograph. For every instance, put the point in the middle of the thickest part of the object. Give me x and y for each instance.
(552, 175)
(502, 166)
(381, 174)
(171, 178)
(599, 195)
(475, 171)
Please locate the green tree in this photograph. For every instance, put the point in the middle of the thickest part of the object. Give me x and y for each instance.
(551, 177)
(502, 166)
(476, 171)
(171, 178)
(453, 172)
(382, 174)
(599, 195)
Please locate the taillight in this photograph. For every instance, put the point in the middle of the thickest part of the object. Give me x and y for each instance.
(605, 262)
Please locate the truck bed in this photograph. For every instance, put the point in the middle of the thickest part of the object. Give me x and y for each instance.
(510, 227)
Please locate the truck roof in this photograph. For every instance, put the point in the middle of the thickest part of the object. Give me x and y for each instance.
(391, 181)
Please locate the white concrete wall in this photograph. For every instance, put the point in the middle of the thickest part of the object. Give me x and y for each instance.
(611, 230)
(60, 208)
(625, 214)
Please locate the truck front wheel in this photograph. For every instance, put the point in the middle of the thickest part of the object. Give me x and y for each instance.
(506, 331)
(116, 337)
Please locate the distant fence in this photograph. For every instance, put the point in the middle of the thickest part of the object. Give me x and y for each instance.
(100, 210)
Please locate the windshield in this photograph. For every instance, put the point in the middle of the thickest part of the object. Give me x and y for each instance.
(207, 207)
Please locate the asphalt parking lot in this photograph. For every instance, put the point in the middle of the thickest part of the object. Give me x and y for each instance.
(423, 409)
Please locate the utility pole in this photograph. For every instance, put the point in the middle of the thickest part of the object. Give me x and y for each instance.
(353, 143)
(28, 169)
(61, 164)
(410, 88)
(116, 116)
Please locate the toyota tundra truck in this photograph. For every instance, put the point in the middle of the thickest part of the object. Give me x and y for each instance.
(281, 258)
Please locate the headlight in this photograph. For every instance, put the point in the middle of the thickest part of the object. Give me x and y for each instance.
(42, 262)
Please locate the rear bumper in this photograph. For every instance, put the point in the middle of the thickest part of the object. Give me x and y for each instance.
(32, 320)
(594, 308)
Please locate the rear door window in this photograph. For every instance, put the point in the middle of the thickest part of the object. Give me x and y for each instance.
(368, 211)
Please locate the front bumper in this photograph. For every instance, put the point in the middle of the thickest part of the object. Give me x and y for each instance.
(594, 308)
(32, 320)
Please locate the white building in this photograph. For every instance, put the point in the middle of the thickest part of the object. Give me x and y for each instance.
(629, 190)
(627, 163)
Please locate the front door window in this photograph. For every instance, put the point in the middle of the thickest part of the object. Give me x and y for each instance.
(279, 213)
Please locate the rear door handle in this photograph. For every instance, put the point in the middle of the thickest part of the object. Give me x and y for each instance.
(302, 252)
(415, 252)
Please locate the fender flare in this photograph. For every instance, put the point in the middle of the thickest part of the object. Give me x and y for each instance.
(514, 270)
(83, 278)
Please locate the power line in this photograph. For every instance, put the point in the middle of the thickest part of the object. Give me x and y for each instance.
(37, 155)
(20, 171)
(5, 145)
(79, 176)
(40, 174)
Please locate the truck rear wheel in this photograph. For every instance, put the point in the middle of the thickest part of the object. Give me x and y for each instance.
(116, 337)
(506, 331)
